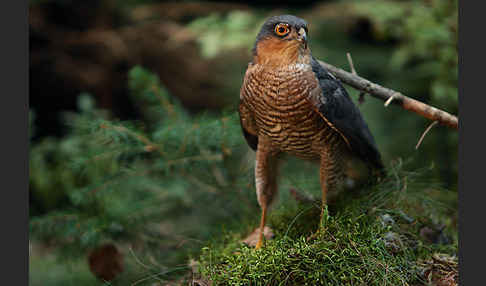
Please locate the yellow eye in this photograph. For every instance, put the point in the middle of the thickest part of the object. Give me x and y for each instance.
(282, 29)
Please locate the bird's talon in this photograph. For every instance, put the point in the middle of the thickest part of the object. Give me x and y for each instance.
(259, 245)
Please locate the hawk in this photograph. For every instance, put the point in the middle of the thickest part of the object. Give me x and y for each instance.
(290, 104)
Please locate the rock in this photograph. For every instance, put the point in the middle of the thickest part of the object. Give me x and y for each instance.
(387, 219)
(393, 242)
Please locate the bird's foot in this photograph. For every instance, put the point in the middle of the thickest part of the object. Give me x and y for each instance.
(321, 228)
(259, 244)
(256, 239)
(313, 236)
(316, 234)
(323, 221)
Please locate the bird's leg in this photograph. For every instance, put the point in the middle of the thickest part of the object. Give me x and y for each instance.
(324, 179)
(265, 182)
(331, 175)
(262, 227)
(328, 174)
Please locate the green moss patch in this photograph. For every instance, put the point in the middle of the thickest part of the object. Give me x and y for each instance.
(371, 237)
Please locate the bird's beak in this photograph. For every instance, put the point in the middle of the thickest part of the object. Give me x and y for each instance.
(303, 37)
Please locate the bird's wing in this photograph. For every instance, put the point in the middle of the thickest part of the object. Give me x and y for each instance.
(247, 126)
(247, 120)
(336, 107)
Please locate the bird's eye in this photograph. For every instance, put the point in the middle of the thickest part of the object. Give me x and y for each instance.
(282, 29)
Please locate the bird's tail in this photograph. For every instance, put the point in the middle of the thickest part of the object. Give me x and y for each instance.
(377, 171)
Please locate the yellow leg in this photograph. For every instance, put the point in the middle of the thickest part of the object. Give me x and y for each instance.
(265, 181)
(323, 177)
(262, 227)
(331, 175)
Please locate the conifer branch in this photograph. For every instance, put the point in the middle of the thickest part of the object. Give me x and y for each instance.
(149, 145)
(196, 158)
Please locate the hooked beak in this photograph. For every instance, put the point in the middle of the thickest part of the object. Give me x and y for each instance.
(303, 37)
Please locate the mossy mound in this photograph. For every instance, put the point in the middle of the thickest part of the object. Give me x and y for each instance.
(372, 237)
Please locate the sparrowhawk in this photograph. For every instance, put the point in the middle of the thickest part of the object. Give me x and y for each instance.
(290, 104)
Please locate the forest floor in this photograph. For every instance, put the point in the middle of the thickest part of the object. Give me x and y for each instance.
(395, 233)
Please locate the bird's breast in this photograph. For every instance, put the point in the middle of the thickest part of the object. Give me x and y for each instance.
(279, 99)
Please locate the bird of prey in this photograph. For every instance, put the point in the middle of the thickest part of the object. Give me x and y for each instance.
(290, 104)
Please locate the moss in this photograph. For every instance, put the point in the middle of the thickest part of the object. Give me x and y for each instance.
(369, 237)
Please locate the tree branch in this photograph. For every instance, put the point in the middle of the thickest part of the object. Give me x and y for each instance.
(425, 133)
(353, 71)
(391, 96)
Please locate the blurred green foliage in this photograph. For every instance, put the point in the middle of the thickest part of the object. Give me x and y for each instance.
(217, 33)
(427, 33)
(423, 65)
(148, 185)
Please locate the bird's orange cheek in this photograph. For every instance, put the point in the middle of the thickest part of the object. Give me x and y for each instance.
(277, 50)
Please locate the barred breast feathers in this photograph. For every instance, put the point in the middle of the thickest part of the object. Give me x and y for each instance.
(281, 102)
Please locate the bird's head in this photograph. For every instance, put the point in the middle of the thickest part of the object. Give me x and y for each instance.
(282, 40)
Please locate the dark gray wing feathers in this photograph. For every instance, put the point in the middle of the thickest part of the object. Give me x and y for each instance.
(339, 109)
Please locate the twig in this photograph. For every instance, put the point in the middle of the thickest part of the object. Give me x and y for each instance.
(350, 61)
(138, 260)
(388, 101)
(425, 133)
(353, 71)
(385, 94)
(201, 184)
(149, 145)
(155, 276)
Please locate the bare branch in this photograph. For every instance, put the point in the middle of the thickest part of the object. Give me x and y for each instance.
(353, 70)
(425, 133)
(388, 101)
(350, 61)
(385, 94)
